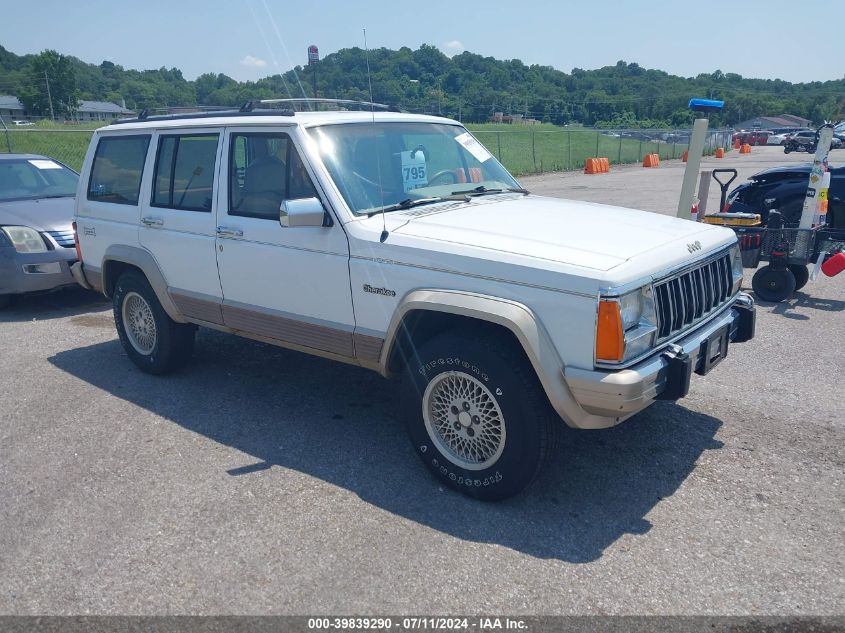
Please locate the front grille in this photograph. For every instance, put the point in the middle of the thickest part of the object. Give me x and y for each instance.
(684, 300)
(63, 238)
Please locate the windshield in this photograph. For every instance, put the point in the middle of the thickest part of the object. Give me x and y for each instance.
(35, 178)
(390, 165)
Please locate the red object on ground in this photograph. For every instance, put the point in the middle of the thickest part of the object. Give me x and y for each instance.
(834, 265)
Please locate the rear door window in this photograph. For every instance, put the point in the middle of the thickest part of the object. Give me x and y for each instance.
(184, 173)
(117, 169)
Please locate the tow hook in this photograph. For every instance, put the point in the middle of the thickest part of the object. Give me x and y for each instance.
(678, 373)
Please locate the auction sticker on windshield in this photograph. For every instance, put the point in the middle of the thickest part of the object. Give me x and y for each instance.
(413, 170)
(474, 147)
(44, 164)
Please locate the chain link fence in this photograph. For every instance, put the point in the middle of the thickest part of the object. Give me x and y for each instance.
(526, 151)
(522, 151)
(66, 146)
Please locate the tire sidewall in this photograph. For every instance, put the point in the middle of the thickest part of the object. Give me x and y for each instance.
(801, 275)
(762, 277)
(157, 360)
(522, 454)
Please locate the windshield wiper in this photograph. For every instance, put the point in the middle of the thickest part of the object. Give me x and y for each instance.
(59, 195)
(481, 190)
(410, 203)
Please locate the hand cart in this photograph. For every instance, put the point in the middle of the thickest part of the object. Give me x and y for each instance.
(789, 251)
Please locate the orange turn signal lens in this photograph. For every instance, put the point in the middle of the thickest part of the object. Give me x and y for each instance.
(610, 339)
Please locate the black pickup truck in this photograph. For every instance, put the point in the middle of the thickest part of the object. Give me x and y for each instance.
(784, 189)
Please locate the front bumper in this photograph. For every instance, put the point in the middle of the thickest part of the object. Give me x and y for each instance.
(664, 376)
(21, 273)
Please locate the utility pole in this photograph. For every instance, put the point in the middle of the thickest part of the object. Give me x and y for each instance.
(49, 98)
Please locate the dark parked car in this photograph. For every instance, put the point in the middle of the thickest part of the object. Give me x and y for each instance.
(36, 238)
(784, 189)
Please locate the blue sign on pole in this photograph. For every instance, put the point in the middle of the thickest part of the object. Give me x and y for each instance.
(705, 105)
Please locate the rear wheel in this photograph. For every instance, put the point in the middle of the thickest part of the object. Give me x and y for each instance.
(773, 284)
(477, 415)
(801, 274)
(154, 342)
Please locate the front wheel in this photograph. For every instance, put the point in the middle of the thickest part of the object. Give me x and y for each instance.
(477, 415)
(154, 342)
(773, 284)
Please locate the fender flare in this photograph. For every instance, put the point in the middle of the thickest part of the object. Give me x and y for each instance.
(525, 326)
(144, 260)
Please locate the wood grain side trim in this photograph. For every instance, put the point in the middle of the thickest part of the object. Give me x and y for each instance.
(94, 279)
(368, 348)
(292, 331)
(196, 308)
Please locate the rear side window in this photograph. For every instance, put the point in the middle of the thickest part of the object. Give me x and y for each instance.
(184, 173)
(117, 170)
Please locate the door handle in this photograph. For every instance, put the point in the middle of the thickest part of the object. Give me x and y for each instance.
(151, 221)
(227, 231)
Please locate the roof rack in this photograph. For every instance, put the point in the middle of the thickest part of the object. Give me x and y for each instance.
(204, 115)
(339, 102)
(248, 109)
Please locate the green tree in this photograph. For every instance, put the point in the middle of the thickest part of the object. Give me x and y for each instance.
(51, 77)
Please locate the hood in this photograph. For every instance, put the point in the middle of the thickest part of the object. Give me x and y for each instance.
(41, 214)
(582, 234)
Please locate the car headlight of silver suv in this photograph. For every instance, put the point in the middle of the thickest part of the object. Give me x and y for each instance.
(626, 326)
(25, 239)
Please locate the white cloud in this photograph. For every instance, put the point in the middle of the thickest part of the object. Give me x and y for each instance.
(454, 47)
(253, 62)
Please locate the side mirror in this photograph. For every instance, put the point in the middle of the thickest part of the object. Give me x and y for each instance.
(302, 212)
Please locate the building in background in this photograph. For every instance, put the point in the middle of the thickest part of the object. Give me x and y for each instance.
(11, 109)
(100, 111)
(769, 122)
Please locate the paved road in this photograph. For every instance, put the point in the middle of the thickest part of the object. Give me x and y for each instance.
(658, 189)
(264, 481)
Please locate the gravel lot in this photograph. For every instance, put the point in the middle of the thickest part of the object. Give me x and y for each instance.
(264, 481)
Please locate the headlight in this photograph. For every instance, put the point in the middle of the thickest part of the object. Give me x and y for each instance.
(25, 239)
(626, 326)
(736, 258)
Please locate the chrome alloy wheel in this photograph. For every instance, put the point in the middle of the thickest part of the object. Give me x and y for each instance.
(464, 420)
(139, 323)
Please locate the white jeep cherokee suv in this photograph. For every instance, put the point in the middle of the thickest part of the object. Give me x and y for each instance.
(398, 243)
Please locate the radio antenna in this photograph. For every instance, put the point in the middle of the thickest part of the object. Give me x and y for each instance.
(384, 232)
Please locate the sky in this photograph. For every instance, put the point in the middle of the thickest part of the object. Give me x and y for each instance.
(250, 39)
